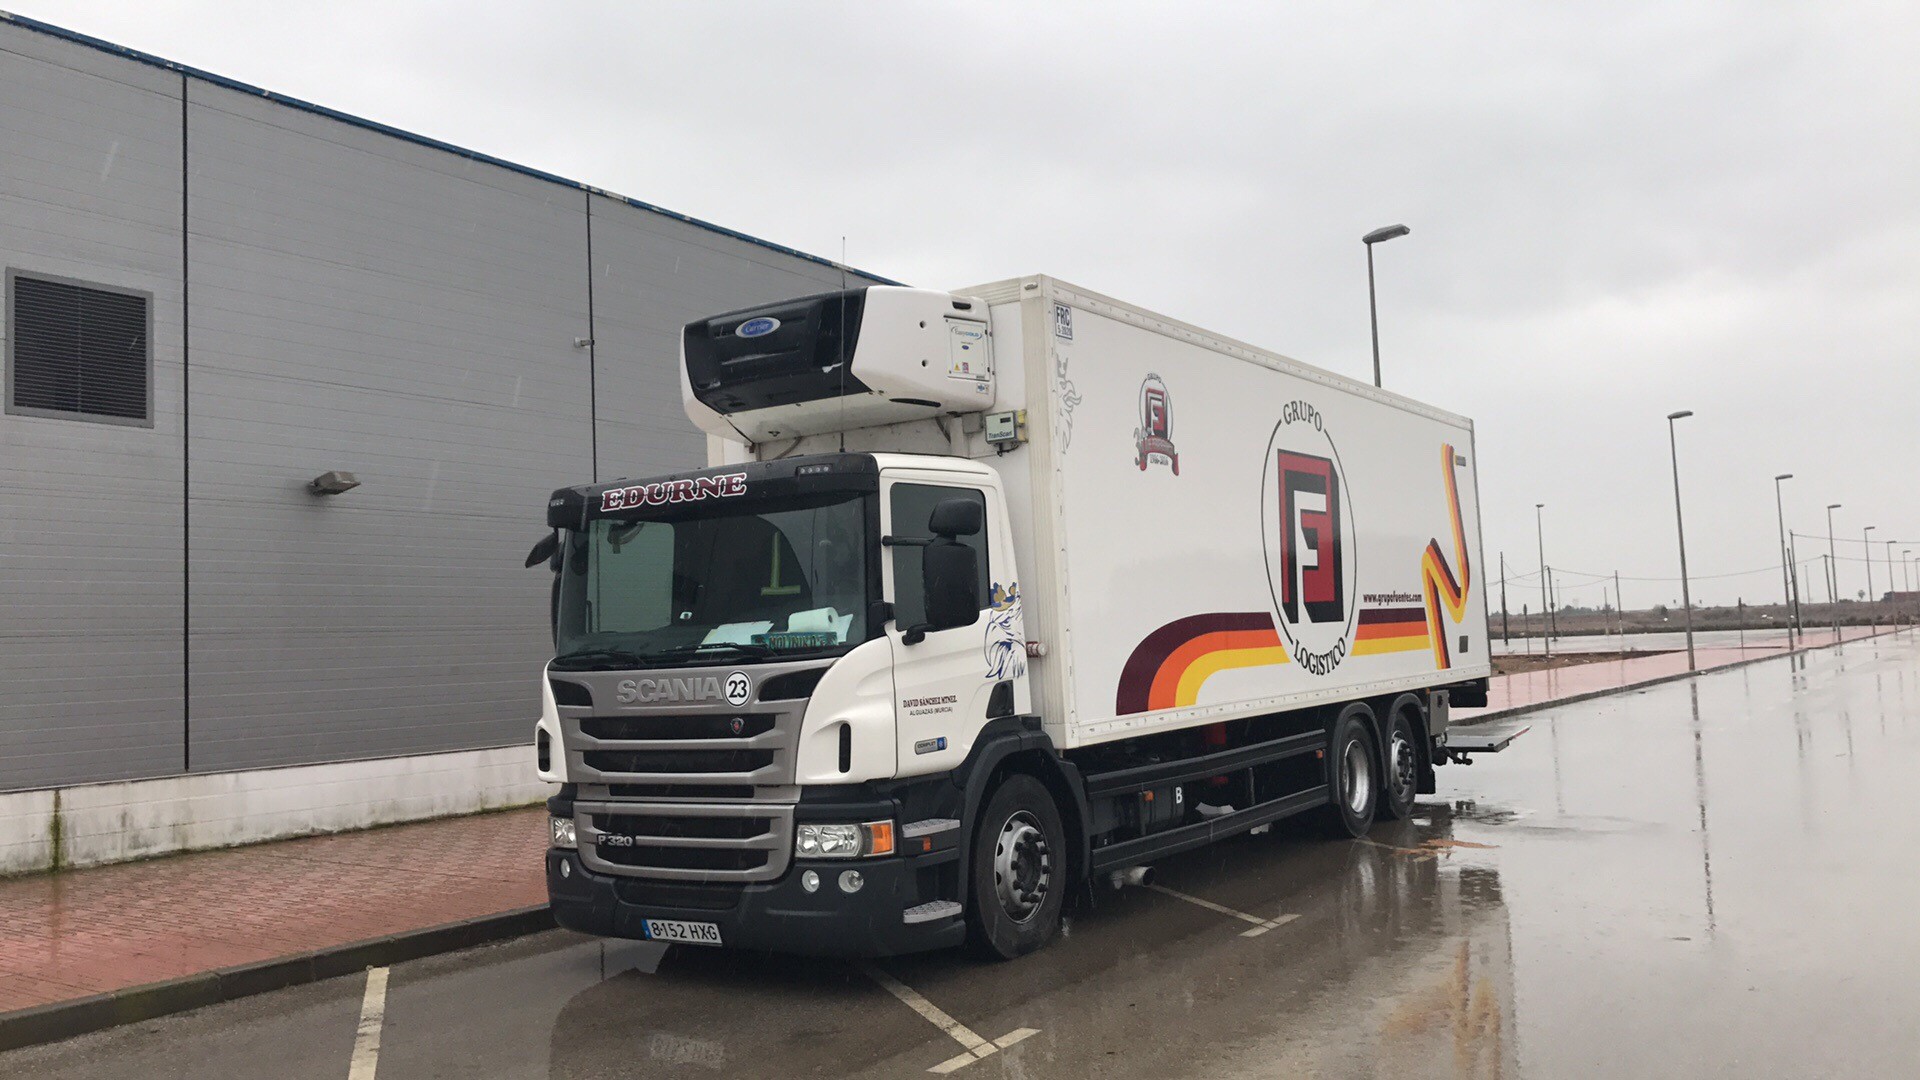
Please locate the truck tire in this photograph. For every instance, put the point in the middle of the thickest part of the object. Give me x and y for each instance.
(1017, 880)
(1401, 784)
(1353, 781)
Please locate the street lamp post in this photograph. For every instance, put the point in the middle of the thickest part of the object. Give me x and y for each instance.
(1833, 585)
(1373, 311)
(1540, 535)
(1866, 552)
(1779, 509)
(1686, 593)
(1906, 575)
(1893, 615)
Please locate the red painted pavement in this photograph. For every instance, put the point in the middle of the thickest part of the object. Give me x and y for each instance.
(84, 932)
(1548, 685)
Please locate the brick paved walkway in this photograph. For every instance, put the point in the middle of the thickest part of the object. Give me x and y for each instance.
(83, 932)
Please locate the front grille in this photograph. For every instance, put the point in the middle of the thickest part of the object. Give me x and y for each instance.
(702, 828)
(662, 894)
(688, 748)
(694, 843)
(680, 791)
(677, 761)
(643, 728)
(679, 858)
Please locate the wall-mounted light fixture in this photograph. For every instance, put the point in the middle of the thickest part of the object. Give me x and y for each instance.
(582, 342)
(333, 483)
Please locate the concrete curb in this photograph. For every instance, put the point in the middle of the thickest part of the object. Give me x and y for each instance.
(66, 1019)
(1538, 706)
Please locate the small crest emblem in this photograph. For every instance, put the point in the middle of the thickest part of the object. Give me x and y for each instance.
(1153, 439)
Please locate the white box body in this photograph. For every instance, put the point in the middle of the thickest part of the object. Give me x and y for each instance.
(1153, 537)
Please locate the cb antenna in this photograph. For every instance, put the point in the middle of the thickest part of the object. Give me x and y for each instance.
(843, 343)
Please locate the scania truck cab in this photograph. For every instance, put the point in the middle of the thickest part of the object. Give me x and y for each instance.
(898, 671)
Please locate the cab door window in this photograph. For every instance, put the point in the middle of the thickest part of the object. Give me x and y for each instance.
(912, 506)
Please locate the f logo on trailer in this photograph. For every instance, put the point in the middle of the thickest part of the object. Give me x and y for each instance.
(1310, 539)
(1307, 522)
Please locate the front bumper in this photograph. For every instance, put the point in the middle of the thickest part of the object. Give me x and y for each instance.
(775, 916)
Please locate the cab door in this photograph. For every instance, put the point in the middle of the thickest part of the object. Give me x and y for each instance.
(943, 681)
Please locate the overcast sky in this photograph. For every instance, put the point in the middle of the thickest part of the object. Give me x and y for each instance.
(1617, 210)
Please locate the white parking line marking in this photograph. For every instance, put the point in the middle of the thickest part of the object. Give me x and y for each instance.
(977, 1047)
(1260, 925)
(1015, 1036)
(366, 1040)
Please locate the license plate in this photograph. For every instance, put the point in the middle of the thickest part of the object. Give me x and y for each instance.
(685, 933)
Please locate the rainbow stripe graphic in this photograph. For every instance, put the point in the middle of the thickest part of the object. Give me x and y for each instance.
(1443, 590)
(1390, 630)
(1167, 670)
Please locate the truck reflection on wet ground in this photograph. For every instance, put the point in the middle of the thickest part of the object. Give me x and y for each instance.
(1411, 902)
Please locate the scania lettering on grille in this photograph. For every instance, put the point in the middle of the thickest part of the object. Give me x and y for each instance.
(692, 688)
(662, 492)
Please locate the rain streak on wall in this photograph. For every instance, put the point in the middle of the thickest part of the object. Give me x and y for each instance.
(171, 597)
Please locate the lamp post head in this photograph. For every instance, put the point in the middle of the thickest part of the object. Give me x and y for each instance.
(1868, 529)
(1833, 506)
(1784, 476)
(1386, 233)
(1681, 415)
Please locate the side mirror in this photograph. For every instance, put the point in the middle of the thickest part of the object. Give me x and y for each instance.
(950, 580)
(546, 551)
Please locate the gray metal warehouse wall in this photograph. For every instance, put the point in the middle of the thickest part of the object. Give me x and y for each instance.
(327, 295)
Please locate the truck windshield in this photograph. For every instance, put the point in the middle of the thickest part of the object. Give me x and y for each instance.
(717, 582)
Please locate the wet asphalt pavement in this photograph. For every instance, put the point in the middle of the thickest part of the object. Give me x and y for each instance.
(1706, 878)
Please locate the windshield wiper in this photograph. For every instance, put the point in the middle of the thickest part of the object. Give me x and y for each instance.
(742, 647)
(620, 657)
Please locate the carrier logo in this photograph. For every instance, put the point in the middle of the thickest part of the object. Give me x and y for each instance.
(1308, 535)
(1153, 439)
(760, 327)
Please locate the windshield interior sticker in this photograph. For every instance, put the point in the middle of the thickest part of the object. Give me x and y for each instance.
(660, 493)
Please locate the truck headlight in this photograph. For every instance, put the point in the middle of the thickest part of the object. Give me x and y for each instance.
(843, 841)
(563, 833)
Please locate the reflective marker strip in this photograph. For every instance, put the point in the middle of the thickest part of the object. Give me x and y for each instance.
(1260, 925)
(366, 1039)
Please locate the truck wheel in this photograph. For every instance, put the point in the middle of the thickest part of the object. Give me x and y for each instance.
(1353, 786)
(1018, 876)
(1403, 768)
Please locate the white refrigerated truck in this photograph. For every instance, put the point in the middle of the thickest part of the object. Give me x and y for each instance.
(983, 596)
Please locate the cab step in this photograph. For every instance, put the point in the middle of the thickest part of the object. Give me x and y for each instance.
(931, 911)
